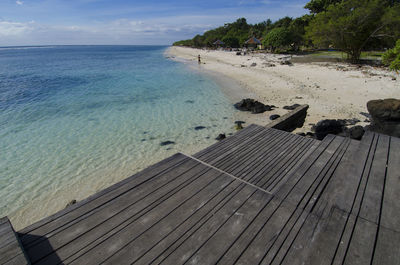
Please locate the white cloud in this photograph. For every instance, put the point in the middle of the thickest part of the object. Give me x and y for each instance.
(19, 2)
(8, 28)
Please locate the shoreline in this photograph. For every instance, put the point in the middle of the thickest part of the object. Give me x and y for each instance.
(332, 90)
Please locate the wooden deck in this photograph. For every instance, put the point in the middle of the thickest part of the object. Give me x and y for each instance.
(262, 196)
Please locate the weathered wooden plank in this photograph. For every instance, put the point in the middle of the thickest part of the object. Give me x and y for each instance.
(361, 246)
(323, 243)
(242, 242)
(268, 156)
(264, 240)
(391, 206)
(285, 164)
(283, 241)
(266, 137)
(343, 183)
(137, 246)
(302, 169)
(10, 247)
(296, 247)
(226, 209)
(215, 246)
(371, 203)
(387, 249)
(96, 199)
(190, 194)
(301, 183)
(187, 227)
(122, 211)
(315, 191)
(237, 139)
(20, 259)
(357, 201)
(136, 197)
(185, 249)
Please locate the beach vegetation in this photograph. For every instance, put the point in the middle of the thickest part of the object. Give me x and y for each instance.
(278, 38)
(351, 25)
(391, 57)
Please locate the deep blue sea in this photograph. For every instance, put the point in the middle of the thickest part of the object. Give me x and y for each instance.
(76, 119)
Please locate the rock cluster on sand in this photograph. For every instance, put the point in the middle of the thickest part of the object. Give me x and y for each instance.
(253, 106)
(385, 116)
(338, 127)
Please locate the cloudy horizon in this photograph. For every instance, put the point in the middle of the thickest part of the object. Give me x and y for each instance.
(97, 22)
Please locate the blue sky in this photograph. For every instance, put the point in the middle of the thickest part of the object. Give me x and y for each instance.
(47, 22)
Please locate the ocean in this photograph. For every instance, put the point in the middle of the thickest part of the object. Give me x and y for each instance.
(76, 119)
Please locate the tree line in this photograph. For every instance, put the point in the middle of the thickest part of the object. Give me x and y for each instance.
(351, 26)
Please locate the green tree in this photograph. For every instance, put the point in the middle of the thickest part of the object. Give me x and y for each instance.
(391, 57)
(231, 41)
(318, 6)
(351, 24)
(278, 38)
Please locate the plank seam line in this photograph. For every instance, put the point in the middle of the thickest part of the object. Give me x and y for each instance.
(226, 173)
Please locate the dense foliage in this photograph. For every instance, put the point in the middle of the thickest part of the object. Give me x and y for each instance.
(353, 24)
(392, 57)
(347, 25)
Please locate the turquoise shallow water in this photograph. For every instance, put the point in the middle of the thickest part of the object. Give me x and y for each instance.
(76, 119)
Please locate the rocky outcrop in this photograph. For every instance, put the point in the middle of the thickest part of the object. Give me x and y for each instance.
(385, 116)
(274, 117)
(325, 127)
(356, 132)
(253, 106)
(291, 107)
(221, 137)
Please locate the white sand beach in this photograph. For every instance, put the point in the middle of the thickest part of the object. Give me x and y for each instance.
(333, 90)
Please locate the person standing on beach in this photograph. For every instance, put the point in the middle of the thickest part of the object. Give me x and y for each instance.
(199, 59)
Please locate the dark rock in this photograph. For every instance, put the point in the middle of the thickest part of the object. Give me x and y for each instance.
(225, 118)
(239, 122)
(189, 101)
(274, 117)
(356, 132)
(394, 78)
(367, 120)
(269, 64)
(310, 134)
(292, 107)
(143, 140)
(145, 132)
(238, 125)
(166, 143)
(198, 128)
(367, 115)
(385, 116)
(286, 62)
(325, 127)
(348, 122)
(253, 65)
(252, 105)
(301, 134)
(71, 203)
(384, 110)
(221, 137)
(238, 53)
